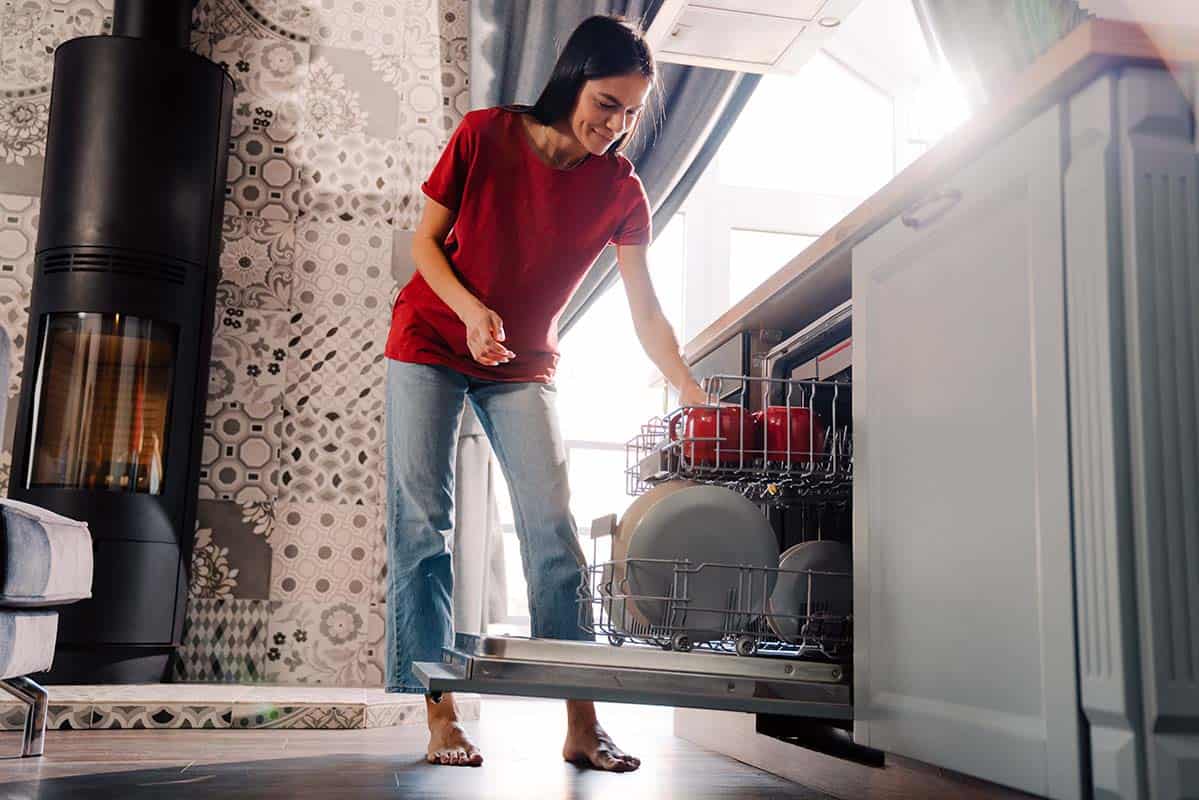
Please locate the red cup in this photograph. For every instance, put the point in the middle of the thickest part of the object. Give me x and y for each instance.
(700, 438)
(806, 434)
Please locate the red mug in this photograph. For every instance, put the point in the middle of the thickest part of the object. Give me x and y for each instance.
(806, 432)
(701, 425)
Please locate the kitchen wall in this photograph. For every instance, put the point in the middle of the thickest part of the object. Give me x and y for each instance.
(342, 107)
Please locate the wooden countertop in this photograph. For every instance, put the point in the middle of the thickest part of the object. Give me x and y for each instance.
(819, 277)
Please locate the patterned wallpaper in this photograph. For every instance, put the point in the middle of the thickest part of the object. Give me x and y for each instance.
(342, 107)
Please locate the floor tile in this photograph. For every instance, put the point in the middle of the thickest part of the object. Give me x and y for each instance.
(385, 716)
(379, 568)
(59, 716)
(323, 552)
(342, 267)
(264, 173)
(147, 693)
(224, 640)
(342, 296)
(161, 716)
(323, 716)
(415, 82)
(344, 94)
(269, 67)
(18, 242)
(351, 178)
(249, 352)
(201, 43)
(285, 19)
(418, 163)
(319, 643)
(331, 457)
(257, 257)
(230, 558)
(30, 32)
(339, 362)
(374, 652)
(454, 25)
(239, 457)
(377, 25)
(281, 694)
(403, 266)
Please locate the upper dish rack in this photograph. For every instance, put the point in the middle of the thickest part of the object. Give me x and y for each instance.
(798, 447)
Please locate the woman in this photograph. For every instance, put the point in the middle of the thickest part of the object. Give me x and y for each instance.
(519, 206)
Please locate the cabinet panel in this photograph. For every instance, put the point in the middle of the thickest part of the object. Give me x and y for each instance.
(964, 649)
(1159, 173)
(1132, 240)
(1108, 673)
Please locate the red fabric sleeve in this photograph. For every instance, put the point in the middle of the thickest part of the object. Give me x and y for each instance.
(637, 225)
(448, 179)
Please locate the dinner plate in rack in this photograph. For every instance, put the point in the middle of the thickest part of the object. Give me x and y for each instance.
(707, 525)
(615, 606)
(799, 595)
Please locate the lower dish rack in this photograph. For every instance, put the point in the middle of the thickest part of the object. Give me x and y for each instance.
(750, 623)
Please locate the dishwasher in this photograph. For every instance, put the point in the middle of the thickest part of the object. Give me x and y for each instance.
(744, 663)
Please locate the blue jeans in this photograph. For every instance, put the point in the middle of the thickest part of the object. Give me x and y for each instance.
(424, 411)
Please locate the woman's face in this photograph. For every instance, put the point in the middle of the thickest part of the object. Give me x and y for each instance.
(607, 109)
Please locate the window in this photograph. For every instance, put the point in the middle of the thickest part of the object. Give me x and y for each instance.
(823, 131)
(756, 255)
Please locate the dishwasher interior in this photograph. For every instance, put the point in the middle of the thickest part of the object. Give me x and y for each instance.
(776, 641)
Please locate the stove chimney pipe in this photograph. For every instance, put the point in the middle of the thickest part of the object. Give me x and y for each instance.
(165, 21)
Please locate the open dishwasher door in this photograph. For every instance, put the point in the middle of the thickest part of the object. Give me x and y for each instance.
(714, 618)
(639, 674)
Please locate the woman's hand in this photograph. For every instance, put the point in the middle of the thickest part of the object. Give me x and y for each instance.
(693, 395)
(484, 332)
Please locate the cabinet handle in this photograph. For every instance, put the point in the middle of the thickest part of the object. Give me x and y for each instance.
(941, 202)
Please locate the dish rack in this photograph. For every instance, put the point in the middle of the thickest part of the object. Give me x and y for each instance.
(746, 625)
(661, 452)
(608, 608)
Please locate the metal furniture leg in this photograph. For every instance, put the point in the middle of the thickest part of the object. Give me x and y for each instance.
(38, 701)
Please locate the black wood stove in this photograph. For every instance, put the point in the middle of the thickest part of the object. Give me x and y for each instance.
(120, 330)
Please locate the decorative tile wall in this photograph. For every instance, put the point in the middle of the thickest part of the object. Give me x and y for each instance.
(341, 109)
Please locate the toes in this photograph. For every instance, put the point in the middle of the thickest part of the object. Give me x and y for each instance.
(460, 757)
(612, 762)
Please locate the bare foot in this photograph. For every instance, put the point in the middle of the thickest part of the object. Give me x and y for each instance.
(587, 744)
(448, 743)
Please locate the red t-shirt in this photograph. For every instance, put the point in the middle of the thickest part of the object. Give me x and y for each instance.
(524, 236)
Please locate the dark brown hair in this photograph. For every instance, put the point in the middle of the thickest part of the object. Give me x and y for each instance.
(601, 47)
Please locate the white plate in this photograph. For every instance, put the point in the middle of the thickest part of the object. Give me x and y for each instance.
(831, 595)
(706, 525)
(614, 577)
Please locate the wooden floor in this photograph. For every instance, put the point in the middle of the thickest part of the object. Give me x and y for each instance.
(521, 740)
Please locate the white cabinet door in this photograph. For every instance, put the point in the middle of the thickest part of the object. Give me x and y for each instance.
(964, 626)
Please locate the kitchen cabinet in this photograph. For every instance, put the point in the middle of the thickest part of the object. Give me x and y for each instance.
(964, 639)
(1026, 515)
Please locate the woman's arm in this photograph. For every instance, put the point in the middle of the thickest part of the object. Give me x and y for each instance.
(484, 328)
(653, 330)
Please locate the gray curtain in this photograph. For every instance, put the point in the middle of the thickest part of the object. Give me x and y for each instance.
(513, 48)
(988, 42)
